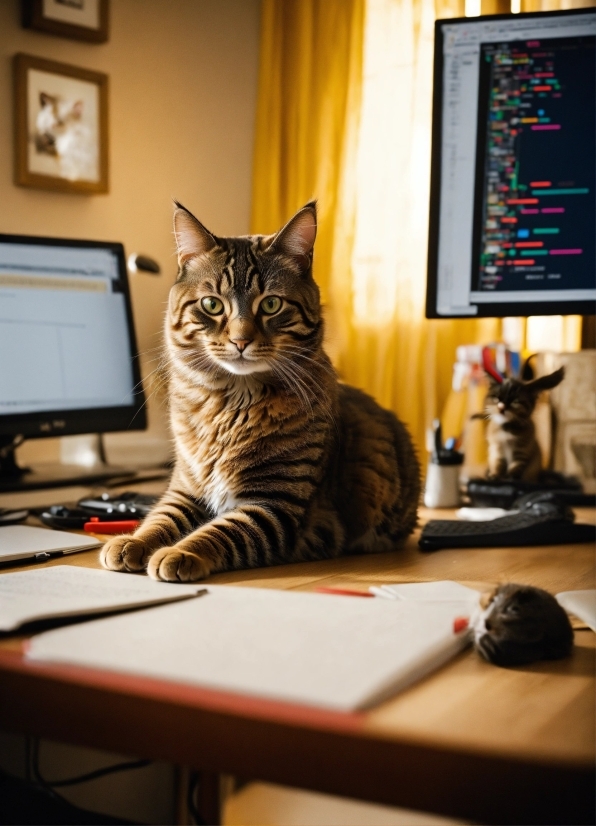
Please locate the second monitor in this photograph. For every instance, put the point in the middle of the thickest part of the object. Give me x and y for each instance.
(513, 201)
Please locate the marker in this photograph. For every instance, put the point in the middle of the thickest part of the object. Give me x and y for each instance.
(460, 624)
(346, 592)
(95, 525)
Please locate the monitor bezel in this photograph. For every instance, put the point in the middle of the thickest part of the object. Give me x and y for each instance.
(583, 307)
(47, 423)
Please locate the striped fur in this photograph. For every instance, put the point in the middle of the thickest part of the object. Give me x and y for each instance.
(276, 461)
(513, 451)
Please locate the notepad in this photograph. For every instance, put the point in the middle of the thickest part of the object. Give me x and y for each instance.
(580, 603)
(438, 591)
(341, 653)
(70, 591)
(24, 542)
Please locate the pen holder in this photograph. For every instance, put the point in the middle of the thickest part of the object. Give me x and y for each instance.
(442, 486)
(442, 476)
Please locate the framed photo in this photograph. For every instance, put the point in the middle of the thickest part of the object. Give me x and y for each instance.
(61, 126)
(577, 446)
(78, 19)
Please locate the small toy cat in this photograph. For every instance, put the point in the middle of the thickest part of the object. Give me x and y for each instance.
(521, 624)
(513, 451)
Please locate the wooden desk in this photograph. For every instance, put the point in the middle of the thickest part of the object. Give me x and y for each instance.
(472, 741)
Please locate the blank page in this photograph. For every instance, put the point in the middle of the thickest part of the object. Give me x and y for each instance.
(338, 652)
(68, 590)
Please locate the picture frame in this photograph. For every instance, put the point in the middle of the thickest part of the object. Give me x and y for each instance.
(577, 449)
(60, 126)
(87, 20)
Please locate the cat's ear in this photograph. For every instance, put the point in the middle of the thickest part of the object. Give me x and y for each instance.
(44, 99)
(191, 236)
(546, 382)
(297, 238)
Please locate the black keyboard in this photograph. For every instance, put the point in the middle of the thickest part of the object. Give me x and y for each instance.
(516, 529)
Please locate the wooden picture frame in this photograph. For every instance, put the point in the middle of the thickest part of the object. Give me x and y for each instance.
(87, 20)
(60, 126)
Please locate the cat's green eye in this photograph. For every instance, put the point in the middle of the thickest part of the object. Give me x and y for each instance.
(212, 305)
(270, 305)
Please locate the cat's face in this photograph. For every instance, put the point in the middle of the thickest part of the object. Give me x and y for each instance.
(515, 399)
(244, 306)
(508, 401)
(522, 624)
(57, 114)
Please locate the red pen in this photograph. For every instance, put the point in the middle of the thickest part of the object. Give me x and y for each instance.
(346, 592)
(95, 525)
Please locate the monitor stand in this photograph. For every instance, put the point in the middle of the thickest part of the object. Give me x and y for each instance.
(49, 475)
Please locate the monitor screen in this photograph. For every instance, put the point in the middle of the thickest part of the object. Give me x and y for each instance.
(513, 191)
(67, 339)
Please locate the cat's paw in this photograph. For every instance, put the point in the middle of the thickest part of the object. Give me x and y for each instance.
(125, 553)
(173, 565)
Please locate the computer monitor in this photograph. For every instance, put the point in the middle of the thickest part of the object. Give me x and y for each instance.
(513, 171)
(68, 353)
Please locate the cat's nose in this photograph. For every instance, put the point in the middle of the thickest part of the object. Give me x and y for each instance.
(500, 407)
(241, 343)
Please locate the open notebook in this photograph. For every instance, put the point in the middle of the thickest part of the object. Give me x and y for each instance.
(341, 653)
(66, 591)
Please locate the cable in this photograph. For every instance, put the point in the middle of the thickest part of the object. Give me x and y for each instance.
(82, 778)
(37, 776)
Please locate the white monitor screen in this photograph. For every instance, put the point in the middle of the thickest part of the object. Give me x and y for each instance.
(515, 210)
(64, 332)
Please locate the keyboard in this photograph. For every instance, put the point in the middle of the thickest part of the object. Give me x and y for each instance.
(516, 529)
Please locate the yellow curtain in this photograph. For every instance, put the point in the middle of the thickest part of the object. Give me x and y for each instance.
(344, 115)
(307, 113)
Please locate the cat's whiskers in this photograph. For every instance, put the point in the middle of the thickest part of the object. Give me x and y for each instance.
(147, 399)
(308, 375)
(202, 363)
(295, 352)
(158, 382)
(324, 403)
(190, 369)
(284, 368)
(306, 379)
(290, 383)
(159, 347)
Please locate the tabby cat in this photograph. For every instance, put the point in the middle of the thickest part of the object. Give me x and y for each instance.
(521, 624)
(513, 451)
(276, 461)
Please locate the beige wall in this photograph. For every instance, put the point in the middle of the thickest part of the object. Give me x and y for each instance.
(183, 82)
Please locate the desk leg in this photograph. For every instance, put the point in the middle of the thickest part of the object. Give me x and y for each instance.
(207, 798)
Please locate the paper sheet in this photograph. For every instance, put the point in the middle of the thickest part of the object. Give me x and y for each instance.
(343, 653)
(440, 591)
(580, 603)
(69, 590)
